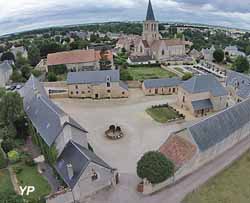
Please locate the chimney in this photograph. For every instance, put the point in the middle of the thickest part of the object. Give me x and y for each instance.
(70, 171)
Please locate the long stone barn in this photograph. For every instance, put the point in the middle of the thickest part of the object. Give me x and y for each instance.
(195, 146)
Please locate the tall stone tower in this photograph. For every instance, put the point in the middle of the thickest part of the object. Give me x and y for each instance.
(150, 26)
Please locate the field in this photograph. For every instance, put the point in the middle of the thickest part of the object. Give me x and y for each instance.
(5, 182)
(144, 73)
(230, 186)
(162, 114)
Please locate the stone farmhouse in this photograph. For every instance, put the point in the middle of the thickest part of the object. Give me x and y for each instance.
(165, 86)
(6, 71)
(195, 146)
(202, 94)
(238, 85)
(78, 60)
(82, 170)
(96, 84)
(151, 43)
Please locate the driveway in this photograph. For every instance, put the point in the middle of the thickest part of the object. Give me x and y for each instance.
(142, 133)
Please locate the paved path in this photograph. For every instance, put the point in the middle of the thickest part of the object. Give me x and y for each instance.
(125, 192)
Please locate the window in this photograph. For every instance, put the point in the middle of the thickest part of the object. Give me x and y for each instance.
(83, 92)
(173, 90)
(163, 52)
(88, 91)
(183, 99)
(71, 93)
(108, 91)
(108, 84)
(123, 93)
(94, 175)
(76, 86)
(141, 50)
(77, 92)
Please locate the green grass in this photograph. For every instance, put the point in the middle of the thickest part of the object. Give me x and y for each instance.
(179, 70)
(144, 73)
(29, 176)
(162, 114)
(5, 182)
(230, 186)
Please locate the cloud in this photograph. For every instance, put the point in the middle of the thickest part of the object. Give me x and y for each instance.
(19, 15)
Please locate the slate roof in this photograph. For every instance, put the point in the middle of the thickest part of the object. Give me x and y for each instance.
(45, 116)
(79, 157)
(202, 104)
(241, 81)
(5, 67)
(217, 128)
(204, 83)
(164, 82)
(141, 59)
(150, 12)
(93, 77)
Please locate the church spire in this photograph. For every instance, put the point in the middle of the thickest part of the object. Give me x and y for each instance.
(150, 12)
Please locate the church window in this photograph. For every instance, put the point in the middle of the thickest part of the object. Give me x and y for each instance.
(141, 50)
(163, 52)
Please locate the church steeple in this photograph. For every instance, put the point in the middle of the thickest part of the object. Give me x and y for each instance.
(150, 12)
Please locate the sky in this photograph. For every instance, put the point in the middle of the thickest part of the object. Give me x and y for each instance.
(21, 15)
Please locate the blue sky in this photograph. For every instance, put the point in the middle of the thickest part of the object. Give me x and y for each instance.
(20, 15)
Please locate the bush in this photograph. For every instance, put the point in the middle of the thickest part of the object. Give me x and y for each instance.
(13, 156)
(155, 167)
(52, 77)
(187, 76)
(219, 55)
(8, 145)
(3, 161)
(36, 72)
(29, 161)
(17, 170)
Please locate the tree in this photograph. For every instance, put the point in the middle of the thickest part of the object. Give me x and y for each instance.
(8, 56)
(187, 76)
(241, 64)
(17, 76)
(219, 55)
(155, 167)
(34, 55)
(52, 77)
(26, 71)
(20, 60)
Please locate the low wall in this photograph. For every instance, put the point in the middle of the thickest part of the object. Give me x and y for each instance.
(59, 84)
(134, 84)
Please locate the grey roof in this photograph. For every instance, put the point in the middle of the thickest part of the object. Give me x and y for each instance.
(45, 116)
(150, 12)
(5, 66)
(137, 59)
(241, 82)
(204, 83)
(202, 104)
(93, 77)
(164, 82)
(215, 129)
(123, 85)
(79, 157)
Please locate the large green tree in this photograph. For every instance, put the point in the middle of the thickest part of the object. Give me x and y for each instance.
(155, 167)
(34, 55)
(241, 64)
(219, 55)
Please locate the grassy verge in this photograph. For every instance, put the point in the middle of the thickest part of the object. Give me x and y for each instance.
(230, 186)
(5, 182)
(162, 114)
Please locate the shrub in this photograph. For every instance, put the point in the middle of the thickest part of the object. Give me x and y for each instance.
(17, 170)
(155, 167)
(3, 161)
(52, 77)
(29, 162)
(13, 156)
(187, 76)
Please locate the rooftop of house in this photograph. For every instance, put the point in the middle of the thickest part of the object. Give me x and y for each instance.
(76, 56)
(164, 82)
(93, 77)
(202, 104)
(48, 119)
(135, 59)
(204, 83)
(78, 157)
(5, 66)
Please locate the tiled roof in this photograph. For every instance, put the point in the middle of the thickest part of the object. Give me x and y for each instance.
(164, 82)
(93, 77)
(217, 128)
(167, 42)
(79, 157)
(204, 83)
(150, 12)
(76, 56)
(178, 149)
(202, 104)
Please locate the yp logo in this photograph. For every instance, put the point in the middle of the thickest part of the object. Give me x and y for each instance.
(27, 190)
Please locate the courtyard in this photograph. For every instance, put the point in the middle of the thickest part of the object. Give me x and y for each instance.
(141, 132)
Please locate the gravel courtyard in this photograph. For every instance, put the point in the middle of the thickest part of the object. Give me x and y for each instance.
(142, 133)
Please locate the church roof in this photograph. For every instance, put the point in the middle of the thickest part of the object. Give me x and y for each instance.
(150, 12)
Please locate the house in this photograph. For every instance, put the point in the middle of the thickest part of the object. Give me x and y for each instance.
(208, 54)
(79, 60)
(238, 85)
(151, 42)
(202, 94)
(96, 84)
(197, 145)
(195, 54)
(233, 51)
(6, 71)
(21, 50)
(141, 60)
(162, 86)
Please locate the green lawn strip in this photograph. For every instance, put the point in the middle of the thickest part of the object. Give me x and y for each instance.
(29, 176)
(162, 114)
(5, 182)
(230, 186)
(144, 73)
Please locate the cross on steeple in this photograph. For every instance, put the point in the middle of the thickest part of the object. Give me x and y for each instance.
(150, 12)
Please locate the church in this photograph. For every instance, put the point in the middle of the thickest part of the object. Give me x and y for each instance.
(150, 46)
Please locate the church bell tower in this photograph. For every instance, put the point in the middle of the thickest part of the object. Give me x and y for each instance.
(150, 26)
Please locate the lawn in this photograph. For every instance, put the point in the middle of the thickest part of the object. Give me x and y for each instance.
(144, 73)
(230, 186)
(5, 182)
(163, 114)
(29, 176)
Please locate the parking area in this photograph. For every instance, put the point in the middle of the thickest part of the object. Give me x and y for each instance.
(142, 133)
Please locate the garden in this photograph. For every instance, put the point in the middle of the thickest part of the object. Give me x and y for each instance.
(164, 113)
